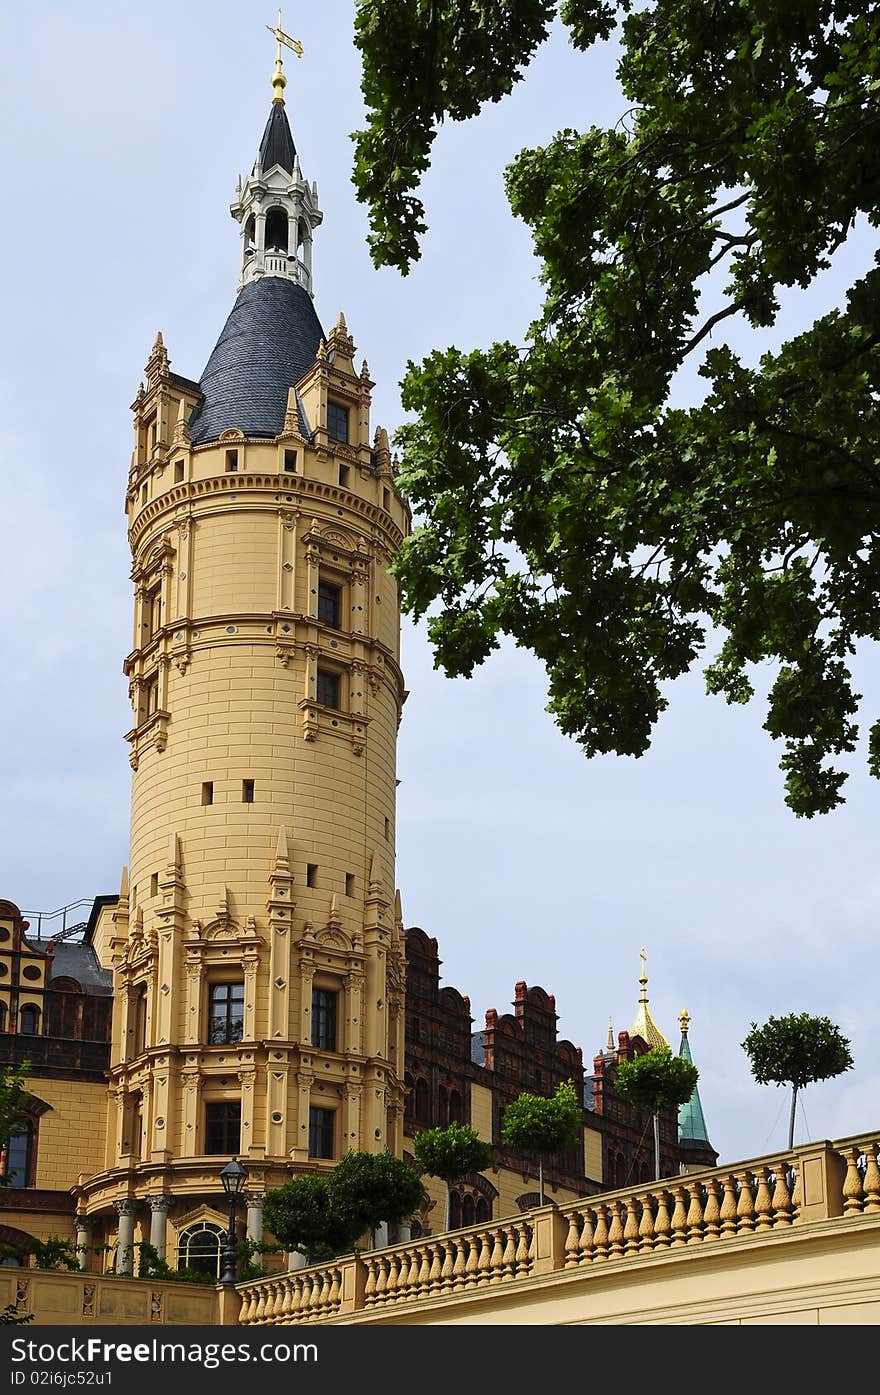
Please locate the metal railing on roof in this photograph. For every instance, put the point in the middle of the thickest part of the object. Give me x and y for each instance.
(60, 924)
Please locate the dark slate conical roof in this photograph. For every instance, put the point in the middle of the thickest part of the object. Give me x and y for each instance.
(277, 147)
(269, 341)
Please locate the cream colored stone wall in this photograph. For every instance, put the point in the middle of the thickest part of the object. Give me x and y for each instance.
(71, 1132)
(76, 1300)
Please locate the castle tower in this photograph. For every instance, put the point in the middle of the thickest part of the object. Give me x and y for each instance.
(258, 969)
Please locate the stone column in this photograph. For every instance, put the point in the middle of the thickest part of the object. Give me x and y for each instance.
(254, 1215)
(82, 1240)
(296, 1259)
(125, 1240)
(159, 1207)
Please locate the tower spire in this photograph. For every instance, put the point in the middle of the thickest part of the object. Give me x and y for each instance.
(691, 1120)
(644, 1025)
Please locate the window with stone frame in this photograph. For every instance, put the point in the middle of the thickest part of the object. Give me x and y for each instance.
(324, 1018)
(337, 422)
(329, 603)
(223, 1127)
(322, 1132)
(225, 1012)
(328, 687)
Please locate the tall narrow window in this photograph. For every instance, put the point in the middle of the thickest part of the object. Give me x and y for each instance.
(18, 1159)
(152, 613)
(231, 462)
(225, 1013)
(150, 697)
(321, 1131)
(29, 1021)
(139, 1025)
(349, 883)
(337, 422)
(329, 603)
(247, 791)
(208, 792)
(343, 475)
(311, 874)
(154, 884)
(223, 1127)
(327, 688)
(290, 462)
(324, 1019)
(178, 472)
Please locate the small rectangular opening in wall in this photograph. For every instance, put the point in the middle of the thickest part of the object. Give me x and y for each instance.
(154, 884)
(349, 883)
(178, 471)
(343, 475)
(208, 792)
(311, 874)
(290, 461)
(144, 493)
(386, 499)
(247, 791)
(387, 828)
(231, 462)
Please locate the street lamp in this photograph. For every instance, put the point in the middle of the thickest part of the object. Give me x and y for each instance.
(233, 1176)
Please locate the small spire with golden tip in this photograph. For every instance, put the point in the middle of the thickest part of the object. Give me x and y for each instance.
(279, 81)
(610, 1043)
(684, 1018)
(644, 1025)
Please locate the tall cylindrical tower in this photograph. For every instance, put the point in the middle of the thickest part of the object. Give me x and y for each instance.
(257, 952)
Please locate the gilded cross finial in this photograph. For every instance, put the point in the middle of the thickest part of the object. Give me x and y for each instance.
(279, 81)
(643, 995)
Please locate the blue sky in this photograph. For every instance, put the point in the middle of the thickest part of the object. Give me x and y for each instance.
(123, 129)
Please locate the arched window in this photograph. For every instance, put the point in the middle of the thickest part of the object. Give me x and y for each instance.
(276, 230)
(456, 1112)
(29, 1021)
(484, 1210)
(18, 1157)
(423, 1101)
(198, 1248)
(468, 1211)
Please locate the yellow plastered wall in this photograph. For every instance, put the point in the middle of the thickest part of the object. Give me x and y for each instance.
(481, 1111)
(71, 1132)
(42, 1225)
(593, 1154)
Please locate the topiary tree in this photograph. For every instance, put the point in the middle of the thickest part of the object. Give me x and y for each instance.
(540, 1125)
(302, 1215)
(449, 1153)
(377, 1187)
(658, 1080)
(795, 1051)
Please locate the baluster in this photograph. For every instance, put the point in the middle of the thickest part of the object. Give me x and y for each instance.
(260, 1314)
(662, 1222)
(797, 1193)
(572, 1240)
(679, 1219)
(425, 1253)
(412, 1278)
(508, 1259)
(473, 1260)
(484, 1263)
(852, 1183)
(524, 1249)
(370, 1285)
(615, 1232)
(631, 1229)
(247, 1302)
(381, 1281)
(286, 1299)
(393, 1274)
(646, 1225)
(729, 1207)
(695, 1214)
(600, 1249)
(272, 1306)
(296, 1305)
(317, 1291)
(781, 1200)
(585, 1245)
(712, 1212)
(326, 1289)
(871, 1182)
(447, 1268)
(745, 1206)
(763, 1201)
(496, 1257)
(335, 1290)
(459, 1270)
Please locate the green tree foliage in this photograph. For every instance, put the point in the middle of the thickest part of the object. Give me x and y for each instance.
(565, 502)
(796, 1050)
(11, 1317)
(302, 1215)
(450, 1153)
(539, 1125)
(654, 1082)
(14, 1097)
(376, 1187)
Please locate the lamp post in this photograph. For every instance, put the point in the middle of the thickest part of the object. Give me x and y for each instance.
(233, 1176)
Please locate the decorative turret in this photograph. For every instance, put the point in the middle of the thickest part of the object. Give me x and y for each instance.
(644, 1025)
(276, 207)
(693, 1136)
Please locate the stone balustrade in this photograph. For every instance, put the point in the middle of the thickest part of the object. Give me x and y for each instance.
(761, 1197)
